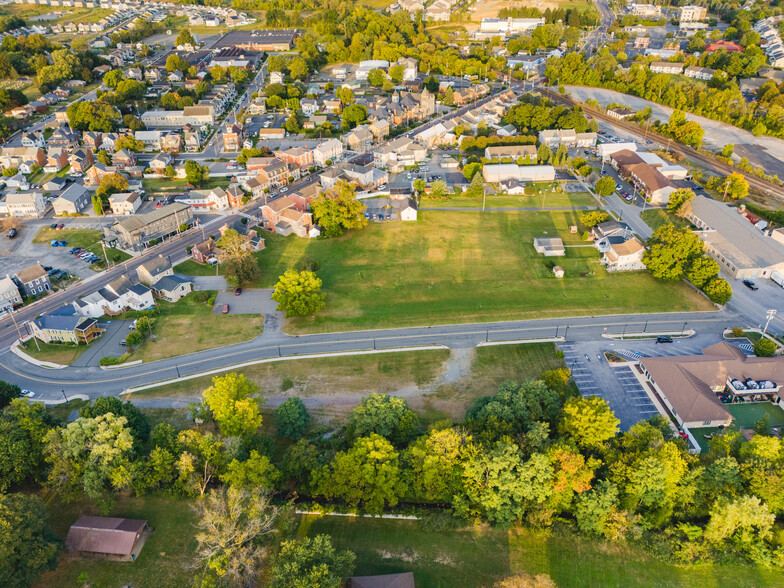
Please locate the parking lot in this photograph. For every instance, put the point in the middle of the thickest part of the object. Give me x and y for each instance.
(108, 345)
(256, 301)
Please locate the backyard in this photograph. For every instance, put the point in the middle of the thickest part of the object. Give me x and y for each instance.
(190, 325)
(460, 267)
(471, 556)
(657, 217)
(744, 416)
(87, 239)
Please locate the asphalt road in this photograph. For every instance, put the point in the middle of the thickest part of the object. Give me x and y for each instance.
(94, 382)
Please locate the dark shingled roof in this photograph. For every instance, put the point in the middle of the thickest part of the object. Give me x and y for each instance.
(104, 535)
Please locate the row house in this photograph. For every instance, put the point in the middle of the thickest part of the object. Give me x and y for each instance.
(81, 159)
(56, 159)
(64, 137)
(11, 157)
(296, 155)
(26, 204)
(329, 150)
(233, 136)
(666, 67)
(123, 159)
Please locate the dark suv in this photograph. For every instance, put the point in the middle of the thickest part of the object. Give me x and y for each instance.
(750, 285)
(664, 339)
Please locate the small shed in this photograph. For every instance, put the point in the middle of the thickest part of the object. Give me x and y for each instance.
(107, 537)
(558, 271)
(549, 246)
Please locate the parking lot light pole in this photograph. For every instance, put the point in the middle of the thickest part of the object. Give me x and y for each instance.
(771, 314)
(683, 328)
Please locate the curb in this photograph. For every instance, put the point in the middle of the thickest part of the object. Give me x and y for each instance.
(122, 365)
(649, 335)
(44, 364)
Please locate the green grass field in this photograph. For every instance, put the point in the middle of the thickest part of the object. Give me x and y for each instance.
(657, 217)
(745, 415)
(87, 239)
(62, 354)
(166, 185)
(188, 326)
(453, 267)
(551, 200)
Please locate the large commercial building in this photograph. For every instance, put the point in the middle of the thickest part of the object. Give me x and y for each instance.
(690, 13)
(742, 250)
(510, 26)
(690, 385)
(137, 231)
(259, 40)
(190, 115)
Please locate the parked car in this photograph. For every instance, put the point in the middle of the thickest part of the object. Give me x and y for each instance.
(663, 339)
(60, 226)
(750, 285)
(238, 291)
(225, 309)
(53, 226)
(74, 250)
(55, 243)
(28, 393)
(123, 343)
(12, 233)
(63, 243)
(284, 189)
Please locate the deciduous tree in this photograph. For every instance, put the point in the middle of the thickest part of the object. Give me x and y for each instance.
(299, 293)
(671, 250)
(292, 418)
(388, 416)
(23, 428)
(230, 398)
(589, 421)
(311, 562)
(196, 174)
(338, 210)
(679, 198)
(604, 186)
(239, 264)
(255, 472)
(594, 217)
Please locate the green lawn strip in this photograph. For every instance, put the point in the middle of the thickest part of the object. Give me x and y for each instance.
(164, 560)
(188, 326)
(496, 364)
(193, 268)
(87, 239)
(165, 185)
(56, 353)
(657, 217)
(475, 556)
(702, 435)
(553, 199)
(462, 267)
(349, 374)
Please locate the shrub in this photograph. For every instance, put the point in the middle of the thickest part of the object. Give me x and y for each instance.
(764, 347)
(737, 332)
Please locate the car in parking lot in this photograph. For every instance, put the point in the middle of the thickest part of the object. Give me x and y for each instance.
(28, 393)
(53, 226)
(12, 233)
(663, 339)
(750, 285)
(588, 359)
(238, 291)
(225, 309)
(75, 250)
(60, 226)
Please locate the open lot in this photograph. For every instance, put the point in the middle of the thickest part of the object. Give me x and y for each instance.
(657, 217)
(87, 239)
(189, 325)
(452, 267)
(548, 200)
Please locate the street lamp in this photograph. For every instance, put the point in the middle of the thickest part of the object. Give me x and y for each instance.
(771, 314)
(683, 328)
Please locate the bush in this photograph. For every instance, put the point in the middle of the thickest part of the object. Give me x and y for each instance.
(201, 296)
(211, 299)
(764, 347)
(737, 332)
(134, 338)
(113, 360)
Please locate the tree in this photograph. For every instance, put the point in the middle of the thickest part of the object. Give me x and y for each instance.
(718, 290)
(28, 545)
(388, 416)
(589, 421)
(736, 186)
(671, 249)
(134, 123)
(232, 525)
(299, 293)
(239, 264)
(90, 455)
(604, 186)
(98, 205)
(95, 115)
(337, 210)
(744, 523)
(435, 463)
(764, 347)
(396, 73)
(292, 124)
(8, 392)
(477, 186)
(701, 270)
(111, 184)
(471, 169)
(130, 143)
(594, 217)
(353, 115)
(292, 418)
(185, 38)
(233, 408)
(113, 77)
(103, 157)
(678, 198)
(196, 174)
(201, 459)
(543, 153)
(367, 475)
(23, 428)
(255, 472)
(432, 84)
(298, 68)
(311, 562)
(136, 420)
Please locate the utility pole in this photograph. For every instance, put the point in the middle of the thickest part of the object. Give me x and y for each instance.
(771, 314)
(726, 187)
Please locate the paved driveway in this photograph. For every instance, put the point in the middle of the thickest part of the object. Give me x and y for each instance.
(108, 345)
(249, 302)
(208, 282)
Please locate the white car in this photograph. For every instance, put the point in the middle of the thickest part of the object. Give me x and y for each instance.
(28, 393)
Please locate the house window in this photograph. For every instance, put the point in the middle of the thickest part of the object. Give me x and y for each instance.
(706, 423)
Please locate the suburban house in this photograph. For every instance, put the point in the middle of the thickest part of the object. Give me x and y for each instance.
(54, 184)
(689, 385)
(97, 172)
(9, 295)
(233, 136)
(203, 252)
(116, 297)
(390, 209)
(513, 152)
(56, 159)
(554, 138)
(73, 200)
(160, 162)
(252, 241)
(64, 138)
(107, 537)
(92, 140)
(16, 156)
(137, 231)
(495, 173)
(171, 288)
(125, 203)
(624, 256)
(81, 159)
(26, 204)
(549, 246)
(65, 328)
(153, 270)
(283, 218)
(32, 281)
(214, 199)
(380, 130)
(742, 250)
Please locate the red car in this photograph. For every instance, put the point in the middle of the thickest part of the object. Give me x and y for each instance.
(60, 226)
(225, 309)
(238, 291)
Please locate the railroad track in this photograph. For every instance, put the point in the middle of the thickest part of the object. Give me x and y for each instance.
(768, 188)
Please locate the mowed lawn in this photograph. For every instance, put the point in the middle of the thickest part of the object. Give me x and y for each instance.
(478, 556)
(551, 199)
(87, 239)
(62, 353)
(657, 217)
(458, 267)
(188, 326)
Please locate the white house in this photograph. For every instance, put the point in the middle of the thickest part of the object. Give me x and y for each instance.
(495, 173)
(115, 297)
(328, 150)
(26, 204)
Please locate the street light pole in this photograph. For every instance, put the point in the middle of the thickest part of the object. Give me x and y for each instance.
(771, 314)
(683, 328)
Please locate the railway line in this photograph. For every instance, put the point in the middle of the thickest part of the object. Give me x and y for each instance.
(711, 164)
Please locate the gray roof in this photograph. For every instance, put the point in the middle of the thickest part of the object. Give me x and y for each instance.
(58, 322)
(139, 289)
(170, 283)
(73, 193)
(139, 221)
(156, 265)
(734, 236)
